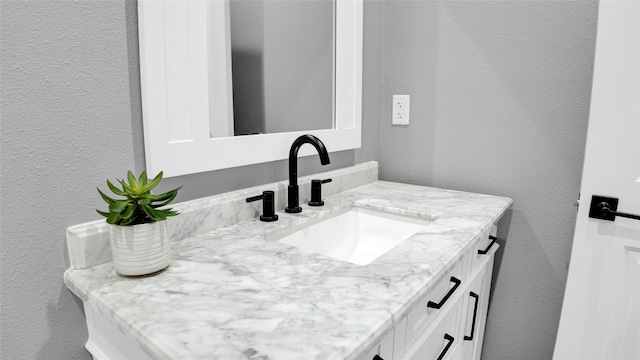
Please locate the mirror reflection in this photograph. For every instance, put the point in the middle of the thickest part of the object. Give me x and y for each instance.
(282, 56)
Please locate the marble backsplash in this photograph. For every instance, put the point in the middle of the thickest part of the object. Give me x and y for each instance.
(88, 243)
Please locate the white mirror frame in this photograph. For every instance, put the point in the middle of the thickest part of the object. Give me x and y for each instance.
(181, 110)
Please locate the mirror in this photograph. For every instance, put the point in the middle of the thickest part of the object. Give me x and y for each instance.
(282, 80)
(187, 92)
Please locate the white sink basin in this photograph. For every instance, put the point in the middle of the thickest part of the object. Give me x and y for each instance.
(356, 235)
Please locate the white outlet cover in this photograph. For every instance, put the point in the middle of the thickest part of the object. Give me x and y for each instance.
(400, 110)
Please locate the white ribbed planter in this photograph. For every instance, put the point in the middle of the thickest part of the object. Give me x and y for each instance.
(140, 249)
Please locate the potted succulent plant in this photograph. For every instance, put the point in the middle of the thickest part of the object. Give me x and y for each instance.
(137, 227)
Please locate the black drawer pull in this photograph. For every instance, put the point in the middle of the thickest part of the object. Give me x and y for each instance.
(450, 340)
(493, 241)
(454, 280)
(475, 312)
(377, 357)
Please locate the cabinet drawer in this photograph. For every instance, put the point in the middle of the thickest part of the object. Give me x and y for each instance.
(441, 342)
(483, 248)
(444, 293)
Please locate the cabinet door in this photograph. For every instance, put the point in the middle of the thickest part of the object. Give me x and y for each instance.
(476, 305)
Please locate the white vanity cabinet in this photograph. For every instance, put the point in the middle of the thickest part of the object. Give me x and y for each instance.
(448, 323)
(244, 292)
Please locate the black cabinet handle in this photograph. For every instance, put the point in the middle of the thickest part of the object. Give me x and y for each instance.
(475, 313)
(493, 241)
(450, 340)
(377, 357)
(456, 282)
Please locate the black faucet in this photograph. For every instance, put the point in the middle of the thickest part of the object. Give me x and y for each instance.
(293, 201)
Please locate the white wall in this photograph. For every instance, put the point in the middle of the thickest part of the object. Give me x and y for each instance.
(500, 96)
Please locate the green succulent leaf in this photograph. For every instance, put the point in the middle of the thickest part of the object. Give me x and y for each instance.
(152, 213)
(118, 206)
(113, 218)
(126, 222)
(155, 197)
(172, 195)
(105, 197)
(130, 191)
(165, 198)
(169, 212)
(128, 211)
(103, 213)
(142, 180)
(115, 190)
(156, 180)
(132, 180)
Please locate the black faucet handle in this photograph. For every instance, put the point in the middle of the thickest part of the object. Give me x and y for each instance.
(268, 205)
(316, 192)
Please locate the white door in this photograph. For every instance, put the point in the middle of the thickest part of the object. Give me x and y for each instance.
(601, 311)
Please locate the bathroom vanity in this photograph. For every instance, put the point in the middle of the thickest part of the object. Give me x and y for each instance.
(234, 291)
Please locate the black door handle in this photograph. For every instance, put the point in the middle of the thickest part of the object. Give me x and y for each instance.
(456, 282)
(605, 208)
(450, 340)
(475, 313)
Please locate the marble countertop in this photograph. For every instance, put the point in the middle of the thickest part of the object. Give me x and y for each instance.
(233, 294)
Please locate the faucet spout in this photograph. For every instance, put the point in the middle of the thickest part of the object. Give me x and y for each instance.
(293, 198)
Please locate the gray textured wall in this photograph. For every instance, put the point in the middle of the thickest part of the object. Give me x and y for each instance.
(71, 118)
(500, 96)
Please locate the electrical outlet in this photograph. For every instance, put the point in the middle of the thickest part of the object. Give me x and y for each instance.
(400, 110)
